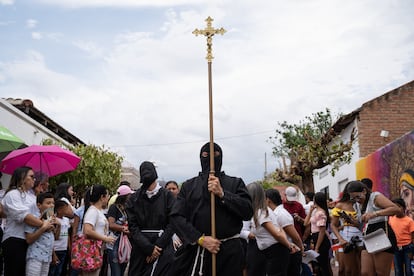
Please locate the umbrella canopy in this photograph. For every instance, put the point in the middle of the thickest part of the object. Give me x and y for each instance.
(52, 160)
(9, 141)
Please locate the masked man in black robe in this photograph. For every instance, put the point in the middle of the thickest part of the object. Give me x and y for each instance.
(191, 217)
(148, 219)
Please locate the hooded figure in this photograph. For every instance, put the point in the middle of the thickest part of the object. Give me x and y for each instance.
(148, 174)
(191, 219)
(148, 219)
(205, 158)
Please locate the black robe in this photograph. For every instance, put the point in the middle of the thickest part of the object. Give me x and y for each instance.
(150, 214)
(191, 217)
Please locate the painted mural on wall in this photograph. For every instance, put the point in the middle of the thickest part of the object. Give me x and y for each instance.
(391, 169)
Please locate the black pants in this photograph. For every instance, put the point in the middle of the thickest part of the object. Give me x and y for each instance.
(295, 264)
(323, 264)
(277, 260)
(14, 252)
(256, 260)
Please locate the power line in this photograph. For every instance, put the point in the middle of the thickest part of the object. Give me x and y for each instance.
(191, 142)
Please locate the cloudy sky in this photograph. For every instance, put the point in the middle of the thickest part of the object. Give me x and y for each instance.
(129, 74)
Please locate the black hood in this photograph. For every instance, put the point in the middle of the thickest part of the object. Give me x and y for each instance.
(205, 161)
(148, 174)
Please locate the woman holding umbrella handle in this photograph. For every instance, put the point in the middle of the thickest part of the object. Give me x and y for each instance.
(19, 204)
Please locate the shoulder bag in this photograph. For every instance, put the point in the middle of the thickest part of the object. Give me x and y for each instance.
(377, 241)
(86, 253)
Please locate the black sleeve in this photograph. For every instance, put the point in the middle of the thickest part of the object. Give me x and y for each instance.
(165, 238)
(139, 239)
(237, 200)
(113, 212)
(181, 225)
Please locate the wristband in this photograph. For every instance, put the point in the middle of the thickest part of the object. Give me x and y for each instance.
(201, 240)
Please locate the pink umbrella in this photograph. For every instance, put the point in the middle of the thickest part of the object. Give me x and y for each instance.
(52, 160)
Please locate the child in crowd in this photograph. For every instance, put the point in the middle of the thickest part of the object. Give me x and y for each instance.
(63, 210)
(403, 227)
(40, 239)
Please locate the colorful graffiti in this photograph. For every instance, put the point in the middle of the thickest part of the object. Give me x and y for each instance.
(386, 166)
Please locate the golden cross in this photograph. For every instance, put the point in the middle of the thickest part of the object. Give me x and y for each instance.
(209, 32)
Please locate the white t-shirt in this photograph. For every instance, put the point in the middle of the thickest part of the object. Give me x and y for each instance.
(244, 233)
(264, 239)
(307, 207)
(97, 219)
(62, 243)
(283, 217)
(17, 205)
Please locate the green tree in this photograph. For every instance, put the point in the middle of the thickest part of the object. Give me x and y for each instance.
(270, 183)
(98, 165)
(311, 144)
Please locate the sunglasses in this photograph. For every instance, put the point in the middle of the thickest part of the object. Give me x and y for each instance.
(32, 176)
(357, 197)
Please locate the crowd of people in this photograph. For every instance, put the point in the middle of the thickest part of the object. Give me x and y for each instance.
(166, 230)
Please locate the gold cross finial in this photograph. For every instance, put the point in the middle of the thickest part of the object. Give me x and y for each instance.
(209, 32)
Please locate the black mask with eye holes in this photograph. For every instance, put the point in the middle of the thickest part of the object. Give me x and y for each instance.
(148, 174)
(205, 161)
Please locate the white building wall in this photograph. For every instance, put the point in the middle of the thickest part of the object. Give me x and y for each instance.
(322, 178)
(27, 129)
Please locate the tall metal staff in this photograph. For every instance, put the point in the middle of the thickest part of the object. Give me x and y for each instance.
(209, 32)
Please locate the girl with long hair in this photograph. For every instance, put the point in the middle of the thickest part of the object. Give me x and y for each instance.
(318, 218)
(95, 224)
(344, 216)
(270, 237)
(64, 191)
(118, 223)
(77, 224)
(374, 209)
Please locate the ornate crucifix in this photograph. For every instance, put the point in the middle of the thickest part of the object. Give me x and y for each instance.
(209, 32)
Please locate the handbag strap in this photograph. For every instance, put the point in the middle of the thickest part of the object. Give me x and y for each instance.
(364, 233)
(386, 227)
(123, 213)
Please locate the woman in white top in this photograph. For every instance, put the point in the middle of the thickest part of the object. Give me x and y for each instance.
(95, 224)
(374, 209)
(270, 237)
(18, 204)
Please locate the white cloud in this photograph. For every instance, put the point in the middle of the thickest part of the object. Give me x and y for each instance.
(145, 91)
(55, 37)
(37, 35)
(90, 48)
(6, 2)
(119, 3)
(31, 78)
(31, 23)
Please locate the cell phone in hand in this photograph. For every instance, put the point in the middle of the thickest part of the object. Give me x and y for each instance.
(345, 216)
(47, 214)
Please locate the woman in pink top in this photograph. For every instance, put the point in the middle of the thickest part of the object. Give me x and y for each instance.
(318, 218)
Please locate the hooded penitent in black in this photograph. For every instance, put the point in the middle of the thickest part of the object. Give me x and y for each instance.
(148, 174)
(146, 217)
(191, 218)
(205, 160)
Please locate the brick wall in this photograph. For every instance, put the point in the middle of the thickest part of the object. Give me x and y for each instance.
(393, 111)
